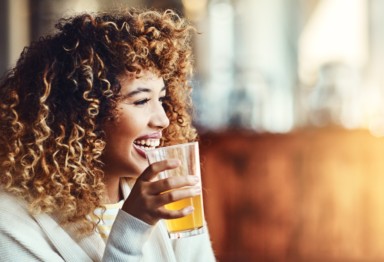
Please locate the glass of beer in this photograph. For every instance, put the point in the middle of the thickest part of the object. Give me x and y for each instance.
(188, 154)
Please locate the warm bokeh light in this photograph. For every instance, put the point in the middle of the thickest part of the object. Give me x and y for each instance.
(337, 31)
(18, 37)
(195, 9)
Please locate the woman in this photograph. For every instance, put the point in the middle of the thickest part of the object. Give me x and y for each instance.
(76, 116)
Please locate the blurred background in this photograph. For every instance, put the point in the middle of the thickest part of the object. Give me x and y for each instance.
(289, 107)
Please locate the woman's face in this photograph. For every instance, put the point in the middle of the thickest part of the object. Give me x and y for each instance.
(137, 126)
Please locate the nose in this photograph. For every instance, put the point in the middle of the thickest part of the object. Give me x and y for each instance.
(159, 118)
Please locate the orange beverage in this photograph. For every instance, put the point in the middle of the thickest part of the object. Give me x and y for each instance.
(192, 221)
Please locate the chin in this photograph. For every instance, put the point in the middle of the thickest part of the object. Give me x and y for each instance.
(139, 169)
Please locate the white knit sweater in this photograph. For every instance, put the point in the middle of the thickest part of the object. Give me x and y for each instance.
(40, 238)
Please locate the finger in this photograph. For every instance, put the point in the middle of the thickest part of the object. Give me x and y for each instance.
(171, 214)
(171, 183)
(176, 195)
(153, 169)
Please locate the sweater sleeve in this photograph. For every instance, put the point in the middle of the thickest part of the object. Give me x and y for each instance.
(126, 239)
(195, 248)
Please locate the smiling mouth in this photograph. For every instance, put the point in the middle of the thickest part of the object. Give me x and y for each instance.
(146, 144)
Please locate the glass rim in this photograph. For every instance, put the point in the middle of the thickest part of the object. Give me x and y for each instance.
(173, 146)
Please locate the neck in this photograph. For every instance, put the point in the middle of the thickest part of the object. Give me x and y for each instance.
(112, 185)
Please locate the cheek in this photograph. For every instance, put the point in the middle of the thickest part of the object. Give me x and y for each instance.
(129, 124)
(128, 127)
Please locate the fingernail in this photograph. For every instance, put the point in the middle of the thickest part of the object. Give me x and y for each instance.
(189, 210)
(174, 162)
(195, 179)
(196, 191)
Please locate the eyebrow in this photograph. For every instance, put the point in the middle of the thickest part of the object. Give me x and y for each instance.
(141, 90)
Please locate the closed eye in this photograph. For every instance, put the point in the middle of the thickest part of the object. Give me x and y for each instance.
(141, 102)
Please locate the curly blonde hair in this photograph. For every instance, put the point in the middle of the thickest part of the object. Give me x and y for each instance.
(54, 101)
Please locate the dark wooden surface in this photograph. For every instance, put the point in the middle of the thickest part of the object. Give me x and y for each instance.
(312, 195)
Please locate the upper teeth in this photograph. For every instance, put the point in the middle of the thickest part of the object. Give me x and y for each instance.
(148, 142)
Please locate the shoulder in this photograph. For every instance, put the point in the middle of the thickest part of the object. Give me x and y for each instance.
(17, 223)
(11, 204)
(14, 213)
(21, 237)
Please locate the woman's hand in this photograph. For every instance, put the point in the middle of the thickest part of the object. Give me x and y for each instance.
(147, 198)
